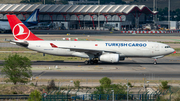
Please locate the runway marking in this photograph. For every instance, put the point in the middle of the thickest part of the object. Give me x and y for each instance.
(42, 73)
(138, 68)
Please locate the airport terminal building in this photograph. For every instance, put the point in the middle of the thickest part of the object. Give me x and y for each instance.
(82, 16)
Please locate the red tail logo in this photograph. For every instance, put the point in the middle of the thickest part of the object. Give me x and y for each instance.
(19, 30)
(53, 45)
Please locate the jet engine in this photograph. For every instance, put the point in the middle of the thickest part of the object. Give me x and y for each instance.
(109, 57)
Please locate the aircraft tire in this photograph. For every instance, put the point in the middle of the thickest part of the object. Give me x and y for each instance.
(155, 62)
(91, 62)
(86, 62)
(95, 61)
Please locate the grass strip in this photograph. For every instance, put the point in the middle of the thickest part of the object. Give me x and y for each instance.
(40, 57)
(170, 42)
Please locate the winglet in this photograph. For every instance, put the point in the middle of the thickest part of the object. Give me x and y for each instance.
(20, 31)
(53, 46)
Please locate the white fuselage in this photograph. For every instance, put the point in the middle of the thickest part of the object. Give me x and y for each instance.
(123, 48)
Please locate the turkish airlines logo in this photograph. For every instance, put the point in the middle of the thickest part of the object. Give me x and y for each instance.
(20, 32)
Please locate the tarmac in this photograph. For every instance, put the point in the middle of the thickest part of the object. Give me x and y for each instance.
(132, 68)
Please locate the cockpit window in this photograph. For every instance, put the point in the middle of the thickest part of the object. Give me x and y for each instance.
(167, 47)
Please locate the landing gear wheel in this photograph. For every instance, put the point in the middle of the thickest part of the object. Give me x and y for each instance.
(95, 61)
(91, 62)
(155, 62)
(86, 62)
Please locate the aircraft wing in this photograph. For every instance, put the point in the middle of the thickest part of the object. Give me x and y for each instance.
(87, 50)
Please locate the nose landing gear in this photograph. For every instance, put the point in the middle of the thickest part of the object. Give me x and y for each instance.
(155, 62)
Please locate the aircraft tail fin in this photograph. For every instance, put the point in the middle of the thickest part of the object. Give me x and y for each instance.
(20, 31)
(33, 17)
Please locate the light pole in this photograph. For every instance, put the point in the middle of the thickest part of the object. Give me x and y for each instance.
(44, 1)
(154, 9)
(71, 81)
(112, 95)
(58, 85)
(147, 83)
(144, 83)
(98, 15)
(169, 15)
(127, 88)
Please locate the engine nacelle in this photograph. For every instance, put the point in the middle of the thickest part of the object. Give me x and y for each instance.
(109, 57)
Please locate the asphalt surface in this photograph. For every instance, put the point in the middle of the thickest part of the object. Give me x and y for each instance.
(97, 75)
(132, 68)
(135, 68)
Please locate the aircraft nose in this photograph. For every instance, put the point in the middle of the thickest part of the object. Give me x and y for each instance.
(173, 51)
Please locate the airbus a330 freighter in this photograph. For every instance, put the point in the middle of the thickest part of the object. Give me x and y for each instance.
(107, 51)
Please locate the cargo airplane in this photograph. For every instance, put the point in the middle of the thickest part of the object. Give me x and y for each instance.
(107, 51)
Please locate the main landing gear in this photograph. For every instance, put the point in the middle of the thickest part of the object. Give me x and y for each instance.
(91, 62)
(155, 62)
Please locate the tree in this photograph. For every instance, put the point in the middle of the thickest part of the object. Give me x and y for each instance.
(106, 88)
(105, 82)
(17, 69)
(35, 96)
(51, 85)
(77, 84)
(164, 84)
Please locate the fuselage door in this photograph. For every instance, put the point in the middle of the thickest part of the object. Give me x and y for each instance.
(157, 47)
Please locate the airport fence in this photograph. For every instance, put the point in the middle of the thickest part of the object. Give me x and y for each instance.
(13, 97)
(56, 95)
(64, 95)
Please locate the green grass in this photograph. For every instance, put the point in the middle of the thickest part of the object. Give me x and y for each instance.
(14, 49)
(177, 49)
(176, 54)
(40, 57)
(170, 42)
